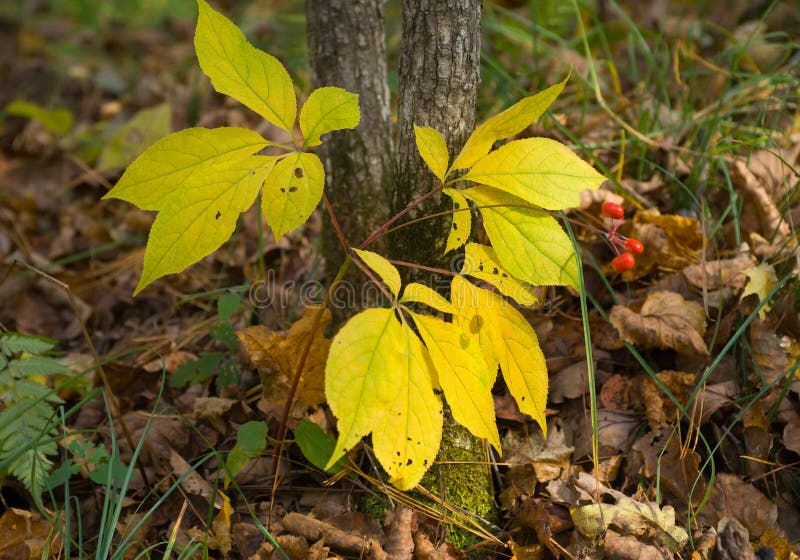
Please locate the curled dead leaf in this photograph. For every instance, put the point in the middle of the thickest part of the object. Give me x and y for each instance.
(666, 320)
(659, 407)
(277, 355)
(720, 273)
(671, 242)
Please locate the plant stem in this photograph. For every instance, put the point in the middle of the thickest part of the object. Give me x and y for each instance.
(378, 232)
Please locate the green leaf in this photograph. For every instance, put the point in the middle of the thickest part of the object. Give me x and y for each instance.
(328, 109)
(481, 262)
(385, 270)
(14, 343)
(196, 371)
(162, 172)
(420, 293)
(528, 243)
(227, 305)
(538, 170)
(407, 438)
(194, 225)
(251, 440)
(512, 121)
(433, 150)
(317, 446)
(236, 68)
(292, 191)
(131, 139)
(362, 374)
(36, 365)
(463, 375)
(462, 220)
(57, 121)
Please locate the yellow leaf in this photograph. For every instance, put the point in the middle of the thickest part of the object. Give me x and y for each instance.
(328, 109)
(463, 375)
(292, 191)
(160, 173)
(762, 279)
(539, 170)
(236, 68)
(481, 262)
(473, 316)
(385, 270)
(407, 439)
(363, 372)
(521, 361)
(420, 293)
(506, 338)
(528, 243)
(433, 150)
(512, 121)
(201, 216)
(462, 220)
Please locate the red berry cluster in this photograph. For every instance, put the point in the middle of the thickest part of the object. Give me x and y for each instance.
(623, 261)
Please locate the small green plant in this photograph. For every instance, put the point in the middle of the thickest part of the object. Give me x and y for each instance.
(387, 367)
(224, 365)
(27, 420)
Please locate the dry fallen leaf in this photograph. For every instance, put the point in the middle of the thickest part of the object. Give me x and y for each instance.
(671, 243)
(666, 320)
(713, 275)
(659, 407)
(277, 355)
(732, 497)
(646, 521)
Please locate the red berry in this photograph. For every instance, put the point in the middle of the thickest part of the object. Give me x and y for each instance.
(634, 246)
(613, 210)
(623, 262)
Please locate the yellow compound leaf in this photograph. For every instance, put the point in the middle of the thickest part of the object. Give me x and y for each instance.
(365, 367)
(433, 150)
(420, 293)
(521, 361)
(540, 171)
(463, 375)
(407, 440)
(237, 68)
(385, 270)
(481, 262)
(506, 338)
(528, 243)
(160, 173)
(202, 216)
(512, 121)
(328, 109)
(473, 316)
(292, 191)
(462, 220)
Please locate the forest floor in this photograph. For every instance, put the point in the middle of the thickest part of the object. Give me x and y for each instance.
(693, 117)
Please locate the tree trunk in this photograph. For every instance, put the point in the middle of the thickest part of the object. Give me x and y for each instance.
(346, 44)
(439, 77)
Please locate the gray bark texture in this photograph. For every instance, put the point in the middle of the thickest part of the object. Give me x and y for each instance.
(439, 77)
(346, 44)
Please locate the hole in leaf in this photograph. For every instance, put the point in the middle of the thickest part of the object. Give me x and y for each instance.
(298, 172)
(292, 189)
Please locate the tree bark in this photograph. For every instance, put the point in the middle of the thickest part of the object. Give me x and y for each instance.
(439, 78)
(346, 44)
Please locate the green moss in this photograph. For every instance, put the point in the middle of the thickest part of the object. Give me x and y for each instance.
(463, 483)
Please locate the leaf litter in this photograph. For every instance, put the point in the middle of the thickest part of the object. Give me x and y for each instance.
(702, 275)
